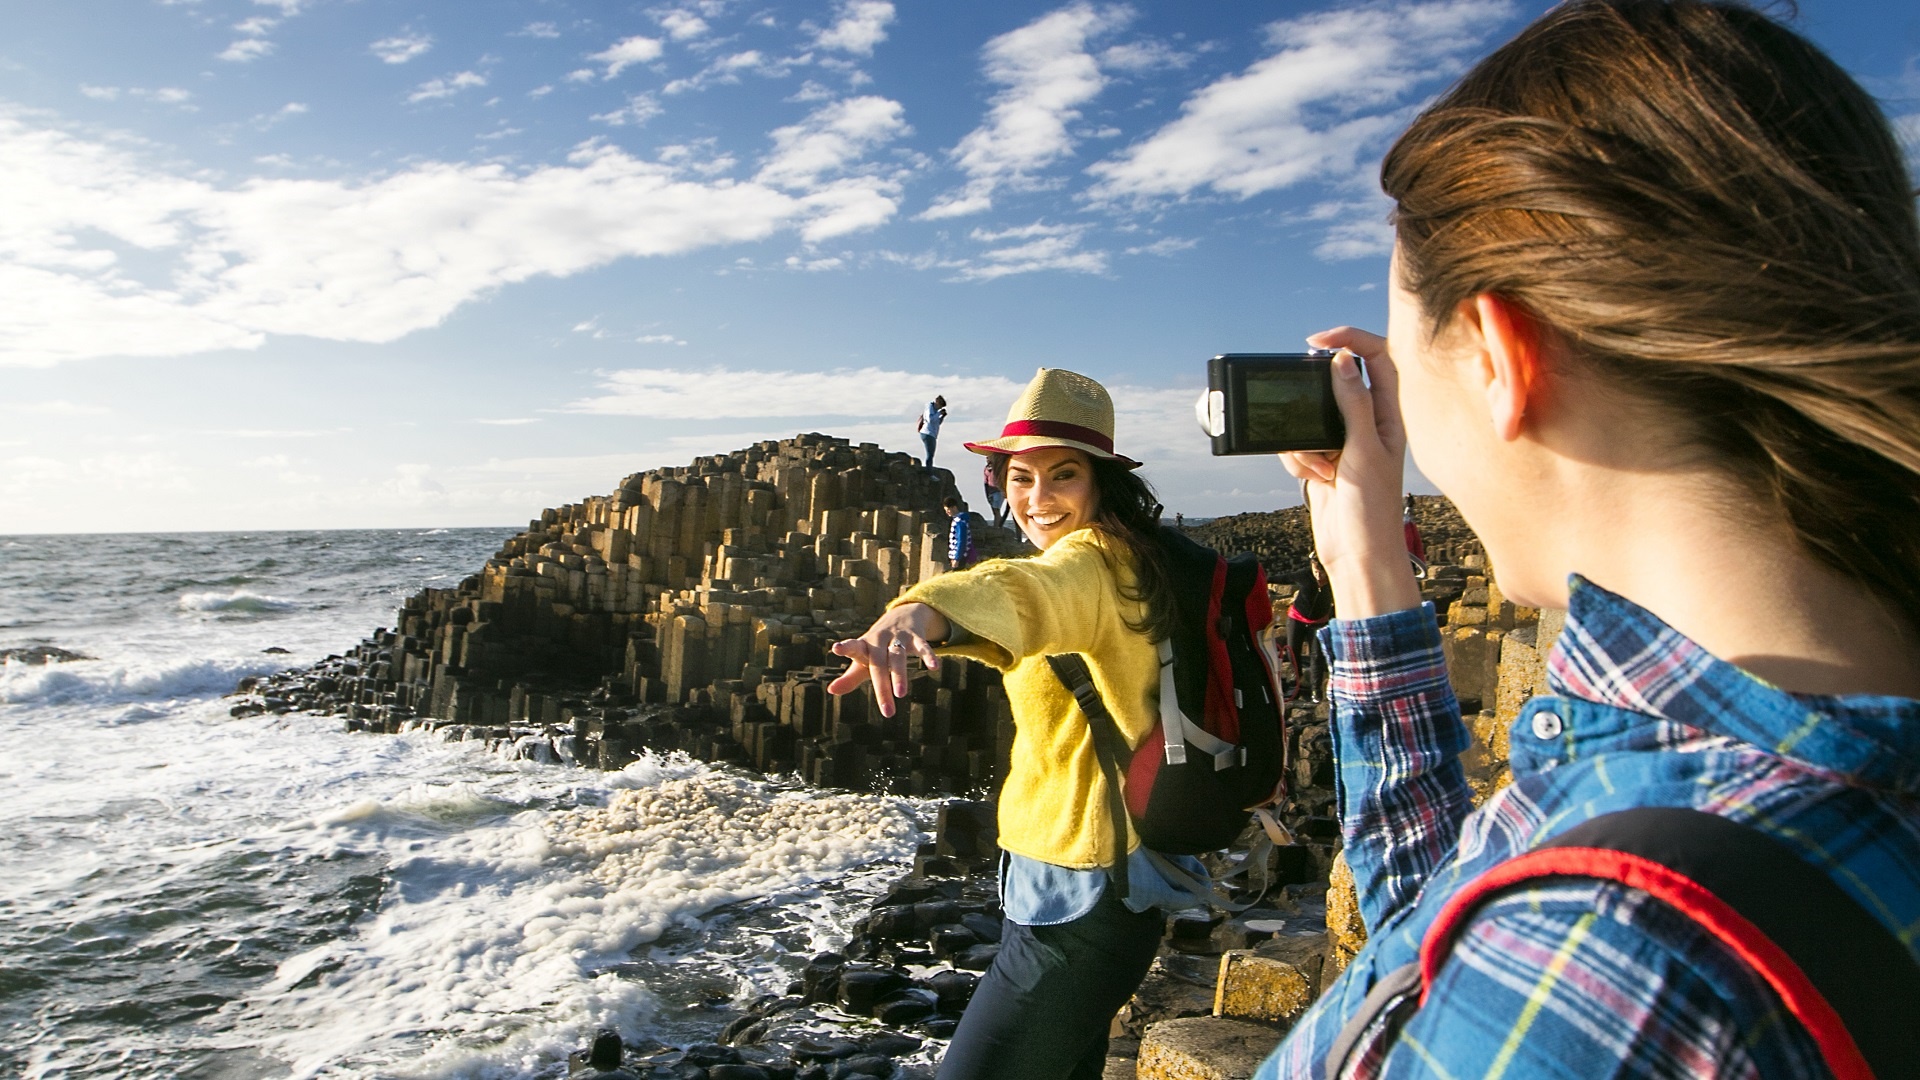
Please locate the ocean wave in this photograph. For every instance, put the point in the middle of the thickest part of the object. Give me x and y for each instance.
(112, 683)
(237, 602)
(506, 930)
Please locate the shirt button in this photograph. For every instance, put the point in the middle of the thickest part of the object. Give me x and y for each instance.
(1546, 725)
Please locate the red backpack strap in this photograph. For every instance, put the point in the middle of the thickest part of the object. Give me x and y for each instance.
(1835, 967)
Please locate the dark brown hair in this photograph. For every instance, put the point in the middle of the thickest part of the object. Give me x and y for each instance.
(1129, 516)
(1700, 208)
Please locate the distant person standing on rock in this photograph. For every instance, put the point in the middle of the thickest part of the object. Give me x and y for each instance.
(996, 498)
(929, 426)
(1653, 326)
(960, 550)
(1072, 951)
(1312, 606)
(1416, 547)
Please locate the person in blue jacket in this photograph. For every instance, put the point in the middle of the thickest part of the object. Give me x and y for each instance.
(1654, 327)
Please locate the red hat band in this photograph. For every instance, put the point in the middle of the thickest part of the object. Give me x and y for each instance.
(1057, 429)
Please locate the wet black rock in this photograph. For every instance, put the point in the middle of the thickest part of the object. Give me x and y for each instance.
(868, 1065)
(895, 923)
(890, 1044)
(985, 927)
(809, 1050)
(41, 654)
(710, 1054)
(932, 913)
(731, 1071)
(864, 986)
(977, 958)
(905, 1008)
(950, 939)
(601, 1060)
(275, 650)
(953, 989)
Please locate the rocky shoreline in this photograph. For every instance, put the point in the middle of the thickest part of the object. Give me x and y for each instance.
(690, 611)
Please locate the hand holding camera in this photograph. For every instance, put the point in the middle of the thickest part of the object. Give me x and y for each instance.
(1334, 419)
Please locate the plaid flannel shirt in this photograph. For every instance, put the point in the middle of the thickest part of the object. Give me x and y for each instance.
(1585, 979)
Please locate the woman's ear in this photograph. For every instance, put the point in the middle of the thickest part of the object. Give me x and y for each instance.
(1510, 346)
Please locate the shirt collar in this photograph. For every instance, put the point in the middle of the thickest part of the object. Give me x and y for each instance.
(1615, 652)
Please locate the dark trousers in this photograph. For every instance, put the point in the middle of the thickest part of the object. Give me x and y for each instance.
(928, 441)
(1043, 1010)
(1309, 666)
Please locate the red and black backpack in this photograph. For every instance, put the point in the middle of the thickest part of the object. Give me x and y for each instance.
(1218, 753)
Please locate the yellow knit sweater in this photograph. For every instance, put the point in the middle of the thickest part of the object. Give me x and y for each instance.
(1053, 805)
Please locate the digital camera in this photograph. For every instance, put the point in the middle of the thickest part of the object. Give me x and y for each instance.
(1266, 403)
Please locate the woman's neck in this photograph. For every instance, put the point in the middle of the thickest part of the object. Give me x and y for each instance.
(1748, 592)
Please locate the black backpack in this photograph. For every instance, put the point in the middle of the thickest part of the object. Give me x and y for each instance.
(1218, 753)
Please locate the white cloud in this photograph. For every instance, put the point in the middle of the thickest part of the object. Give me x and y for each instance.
(1336, 84)
(1136, 56)
(53, 408)
(1048, 74)
(164, 95)
(1033, 248)
(682, 25)
(447, 86)
(639, 109)
(811, 91)
(539, 30)
(727, 69)
(658, 339)
(627, 52)
(401, 47)
(714, 394)
(221, 267)
(859, 26)
(245, 50)
(832, 138)
(1169, 245)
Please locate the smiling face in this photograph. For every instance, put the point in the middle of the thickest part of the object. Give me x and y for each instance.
(1052, 493)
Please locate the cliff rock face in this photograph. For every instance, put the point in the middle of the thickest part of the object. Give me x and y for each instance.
(1283, 538)
(692, 609)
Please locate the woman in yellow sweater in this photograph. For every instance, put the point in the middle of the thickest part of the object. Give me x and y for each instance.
(1072, 952)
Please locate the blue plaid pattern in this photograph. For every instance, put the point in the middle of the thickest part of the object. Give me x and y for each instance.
(1591, 979)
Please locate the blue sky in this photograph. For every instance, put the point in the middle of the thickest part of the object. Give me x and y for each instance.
(353, 263)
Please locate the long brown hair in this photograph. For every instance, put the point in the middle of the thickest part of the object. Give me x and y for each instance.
(1128, 515)
(1702, 209)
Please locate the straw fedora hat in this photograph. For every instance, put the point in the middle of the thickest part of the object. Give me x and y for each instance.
(1058, 408)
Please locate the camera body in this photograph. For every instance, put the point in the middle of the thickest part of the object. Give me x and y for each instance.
(1266, 403)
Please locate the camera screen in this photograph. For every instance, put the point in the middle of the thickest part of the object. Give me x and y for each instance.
(1285, 405)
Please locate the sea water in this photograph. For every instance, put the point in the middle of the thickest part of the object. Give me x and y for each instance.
(184, 894)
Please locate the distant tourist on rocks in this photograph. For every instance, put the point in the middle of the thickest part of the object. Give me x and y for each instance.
(1072, 951)
(1312, 606)
(960, 550)
(1416, 547)
(1654, 327)
(931, 418)
(996, 498)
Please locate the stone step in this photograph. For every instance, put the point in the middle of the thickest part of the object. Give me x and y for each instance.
(1205, 1048)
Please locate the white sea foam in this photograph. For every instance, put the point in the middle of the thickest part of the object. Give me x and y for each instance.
(237, 602)
(107, 682)
(497, 935)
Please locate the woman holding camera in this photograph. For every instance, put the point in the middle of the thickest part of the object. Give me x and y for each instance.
(1072, 952)
(1654, 327)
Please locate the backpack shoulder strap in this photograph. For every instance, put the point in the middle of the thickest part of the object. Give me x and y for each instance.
(1835, 966)
(1109, 747)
